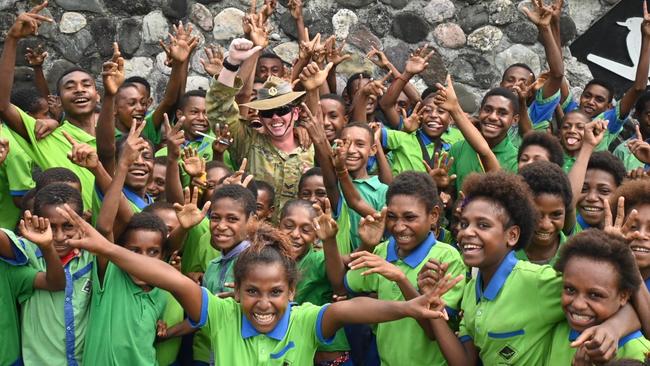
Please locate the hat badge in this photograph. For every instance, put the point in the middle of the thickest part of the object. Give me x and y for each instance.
(273, 91)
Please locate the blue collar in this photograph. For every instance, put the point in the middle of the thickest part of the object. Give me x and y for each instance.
(573, 335)
(201, 147)
(278, 333)
(497, 281)
(137, 200)
(426, 140)
(416, 256)
(581, 221)
(235, 251)
(647, 283)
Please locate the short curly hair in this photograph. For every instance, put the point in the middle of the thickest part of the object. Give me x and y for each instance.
(417, 184)
(510, 192)
(58, 194)
(546, 141)
(607, 162)
(546, 177)
(636, 193)
(146, 221)
(297, 202)
(237, 193)
(603, 247)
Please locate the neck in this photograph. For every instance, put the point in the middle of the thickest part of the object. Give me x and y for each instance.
(487, 272)
(121, 126)
(495, 141)
(542, 253)
(85, 122)
(286, 143)
(573, 153)
(360, 174)
(139, 192)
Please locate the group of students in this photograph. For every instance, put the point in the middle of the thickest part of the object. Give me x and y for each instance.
(273, 221)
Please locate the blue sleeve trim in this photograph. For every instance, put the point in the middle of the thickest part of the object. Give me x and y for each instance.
(384, 137)
(319, 326)
(18, 193)
(451, 311)
(204, 310)
(281, 353)
(339, 206)
(506, 334)
(20, 257)
(615, 124)
(83, 271)
(465, 338)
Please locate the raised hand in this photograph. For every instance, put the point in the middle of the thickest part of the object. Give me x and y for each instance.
(556, 9)
(335, 55)
(36, 56)
(445, 97)
(27, 23)
(88, 238)
(295, 7)
(430, 305)
(81, 154)
(240, 50)
(378, 58)
(638, 147)
(213, 63)
(36, 229)
(224, 138)
(324, 225)
(256, 29)
(319, 52)
(175, 260)
(376, 87)
(312, 125)
(306, 50)
(371, 228)
(133, 145)
(412, 123)
(181, 44)
(375, 127)
(193, 163)
(302, 135)
(44, 127)
(376, 264)
(312, 77)
(540, 14)
(175, 136)
(113, 72)
(523, 91)
(594, 132)
(54, 106)
(419, 60)
(340, 154)
(430, 274)
(238, 176)
(268, 9)
(620, 226)
(645, 25)
(189, 214)
(440, 170)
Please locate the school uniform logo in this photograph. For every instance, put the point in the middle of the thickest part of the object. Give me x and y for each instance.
(88, 286)
(507, 353)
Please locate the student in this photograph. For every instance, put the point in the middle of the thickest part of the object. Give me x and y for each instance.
(641, 114)
(497, 218)
(539, 146)
(265, 200)
(156, 188)
(572, 132)
(599, 276)
(392, 269)
(553, 200)
(334, 116)
(260, 324)
(15, 179)
(269, 64)
(312, 188)
(57, 175)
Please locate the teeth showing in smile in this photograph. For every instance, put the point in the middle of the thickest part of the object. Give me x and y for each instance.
(404, 237)
(640, 249)
(264, 318)
(592, 209)
(469, 247)
(81, 100)
(138, 172)
(277, 125)
(581, 318)
(543, 235)
(434, 125)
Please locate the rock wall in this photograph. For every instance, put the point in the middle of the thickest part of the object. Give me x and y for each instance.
(475, 39)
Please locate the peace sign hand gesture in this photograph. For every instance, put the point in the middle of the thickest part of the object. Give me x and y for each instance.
(36, 56)
(412, 123)
(36, 229)
(113, 72)
(419, 60)
(324, 225)
(175, 136)
(440, 170)
(81, 154)
(27, 23)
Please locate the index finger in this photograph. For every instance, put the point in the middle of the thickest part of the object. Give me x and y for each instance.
(638, 132)
(116, 52)
(242, 167)
(253, 8)
(38, 7)
(307, 110)
(70, 139)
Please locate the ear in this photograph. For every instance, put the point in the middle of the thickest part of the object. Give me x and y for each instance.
(515, 117)
(373, 148)
(434, 215)
(292, 293)
(624, 297)
(512, 235)
(236, 293)
(149, 102)
(179, 114)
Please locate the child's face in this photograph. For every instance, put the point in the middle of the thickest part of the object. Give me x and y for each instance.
(169, 218)
(313, 190)
(228, 223)
(514, 76)
(552, 212)
(157, 186)
(483, 238)
(298, 225)
(640, 243)
(409, 222)
(196, 119)
(403, 102)
(213, 176)
(264, 295)
(78, 94)
(435, 121)
(264, 205)
(42, 110)
(334, 118)
(597, 188)
(267, 67)
(591, 293)
(360, 149)
(495, 117)
(144, 242)
(594, 100)
(531, 154)
(130, 104)
(572, 132)
(139, 174)
(62, 229)
(644, 120)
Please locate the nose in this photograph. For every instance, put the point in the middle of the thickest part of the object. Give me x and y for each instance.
(592, 196)
(578, 303)
(58, 235)
(545, 223)
(295, 233)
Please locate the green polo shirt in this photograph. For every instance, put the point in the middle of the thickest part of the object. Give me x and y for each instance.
(466, 160)
(293, 341)
(198, 250)
(511, 321)
(540, 112)
(52, 151)
(403, 342)
(522, 256)
(15, 180)
(373, 191)
(633, 346)
(629, 160)
(406, 150)
(16, 285)
(123, 317)
(167, 351)
(569, 161)
(54, 324)
(136, 202)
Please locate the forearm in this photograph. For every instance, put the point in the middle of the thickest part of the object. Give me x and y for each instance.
(173, 186)
(352, 196)
(334, 266)
(624, 322)
(247, 74)
(555, 62)
(410, 292)
(8, 113)
(177, 238)
(385, 172)
(172, 91)
(41, 82)
(297, 68)
(475, 139)
(449, 344)
(641, 303)
(331, 80)
(324, 159)
(524, 124)
(578, 171)
(105, 134)
(54, 276)
(111, 202)
(179, 330)
(359, 103)
(361, 310)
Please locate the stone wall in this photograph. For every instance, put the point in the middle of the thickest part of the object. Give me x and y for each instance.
(475, 39)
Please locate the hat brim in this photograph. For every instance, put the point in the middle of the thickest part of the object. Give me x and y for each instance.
(275, 102)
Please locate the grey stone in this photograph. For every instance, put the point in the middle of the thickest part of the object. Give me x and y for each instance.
(466, 98)
(5, 4)
(138, 66)
(436, 72)
(398, 54)
(228, 24)
(361, 37)
(104, 31)
(129, 36)
(612, 2)
(73, 47)
(397, 4)
(287, 51)
(195, 82)
(354, 3)
(23, 45)
(522, 32)
(7, 19)
(502, 12)
(472, 17)
(357, 63)
(95, 6)
(485, 38)
(438, 10)
(92, 63)
(160, 63)
(195, 61)
(196, 32)
(154, 27)
(57, 68)
(200, 15)
(23, 77)
(410, 27)
(584, 13)
(175, 9)
(568, 31)
(131, 7)
(473, 69)
(379, 19)
(517, 54)
(72, 22)
(317, 23)
(342, 21)
(577, 73)
(450, 35)
(47, 30)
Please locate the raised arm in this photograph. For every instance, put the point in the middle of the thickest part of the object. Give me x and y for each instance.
(641, 78)
(350, 192)
(38, 231)
(35, 58)
(113, 77)
(326, 229)
(175, 138)
(360, 100)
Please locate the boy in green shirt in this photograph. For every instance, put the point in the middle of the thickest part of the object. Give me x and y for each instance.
(15, 179)
(623, 151)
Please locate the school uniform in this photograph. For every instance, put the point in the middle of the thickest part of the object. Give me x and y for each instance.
(167, 351)
(198, 250)
(613, 115)
(403, 342)
(540, 113)
(136, 203)
(629, 160)
(15, 181)
(512, 320)
(123, 318)
(521, 253)
(633, 346)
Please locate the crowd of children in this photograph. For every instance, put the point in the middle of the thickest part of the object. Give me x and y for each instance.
(276, 220)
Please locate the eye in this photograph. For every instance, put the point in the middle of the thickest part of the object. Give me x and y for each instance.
(604, 191)
(464, 224)
(569, 290)
(153, 252)
(233, 219)
(596, 295)
(276, 292)
(484, 225)
(251, 292)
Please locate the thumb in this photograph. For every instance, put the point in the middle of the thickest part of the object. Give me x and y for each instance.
(582, 338)
(450, 84)
(638, 132)
(328, 67)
